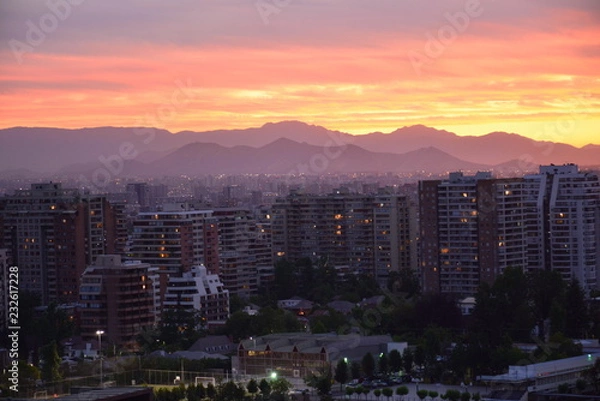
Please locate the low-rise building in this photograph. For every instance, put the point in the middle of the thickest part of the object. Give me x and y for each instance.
(541, 376)
(296, 355)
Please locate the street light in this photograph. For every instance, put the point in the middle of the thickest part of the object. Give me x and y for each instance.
(99, 334)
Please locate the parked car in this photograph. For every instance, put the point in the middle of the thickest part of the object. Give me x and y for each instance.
(367, 383)
(378, 383)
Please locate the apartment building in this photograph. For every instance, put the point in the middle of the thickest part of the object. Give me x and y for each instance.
(199, 292)
(563, 223)
(472, 228)
(53, 233)
(368, 234)
(116, 298)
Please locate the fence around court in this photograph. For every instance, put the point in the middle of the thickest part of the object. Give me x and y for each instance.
(149, 377)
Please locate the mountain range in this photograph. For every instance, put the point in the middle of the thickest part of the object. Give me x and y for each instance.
(275, 148)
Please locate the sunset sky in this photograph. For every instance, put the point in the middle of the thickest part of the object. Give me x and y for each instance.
(471, 67)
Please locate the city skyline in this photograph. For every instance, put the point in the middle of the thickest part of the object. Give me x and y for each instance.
(470, 67)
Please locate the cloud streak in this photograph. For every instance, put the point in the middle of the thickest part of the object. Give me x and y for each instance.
(341, 64)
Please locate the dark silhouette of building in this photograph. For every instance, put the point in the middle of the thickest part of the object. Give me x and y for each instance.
(52, 233)
(368, 234)
(117, 298)
(472, 228)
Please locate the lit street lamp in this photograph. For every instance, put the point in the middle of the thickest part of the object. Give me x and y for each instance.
(99, 334)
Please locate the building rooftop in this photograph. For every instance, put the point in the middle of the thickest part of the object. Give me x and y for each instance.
(543, 369)
(214, 344)
(312, 343)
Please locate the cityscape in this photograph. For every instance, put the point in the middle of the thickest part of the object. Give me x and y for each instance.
(299, 200)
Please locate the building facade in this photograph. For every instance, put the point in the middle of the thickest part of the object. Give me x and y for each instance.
(367, 234)
(52, 233)
(394, 236)
(472, 228)
(116, 298)
(201, 292)
(174, 239)
(296, 355)
(244, 249)
(563, 223)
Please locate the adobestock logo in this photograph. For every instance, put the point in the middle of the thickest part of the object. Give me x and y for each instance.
(36, 32)
(266, 8)
(114, 164)
(437, 42)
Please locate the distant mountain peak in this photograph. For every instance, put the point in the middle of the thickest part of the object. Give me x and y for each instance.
(291, 141)
(289, 123)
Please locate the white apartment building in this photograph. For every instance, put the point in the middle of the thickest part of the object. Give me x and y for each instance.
(563, 223)
(197, 290)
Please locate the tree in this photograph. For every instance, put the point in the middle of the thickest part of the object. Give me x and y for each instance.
(368, 364)
(404, 282)
(318, 328)
(179, 327)
(580, 385)
(377, 393)
(280, 387)
(437, 309)
(387, 392)
(466, 396)
(349, 391)
(433, 394)
(407, 359)
(577, 320)
(452, 395)
(230, 392)
(395, 359)
(55, 324)
(419, 355)
(51, 363)
(383, 364)
(285, 279)
(252, 387)
(321, 381)
(503, 308)
(545, 288)
(190, 393)
(148, 339)
(238, 325)
(563, 388)
(422, 394)
(355, 370)
(211, 391)
(265, 388)
(593, 375)
(402, 391)
(28, 374)
(341, 372)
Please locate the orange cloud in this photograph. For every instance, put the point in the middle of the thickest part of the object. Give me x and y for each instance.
(491, 77)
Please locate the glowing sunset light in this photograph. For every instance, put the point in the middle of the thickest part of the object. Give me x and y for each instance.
(345, 65)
